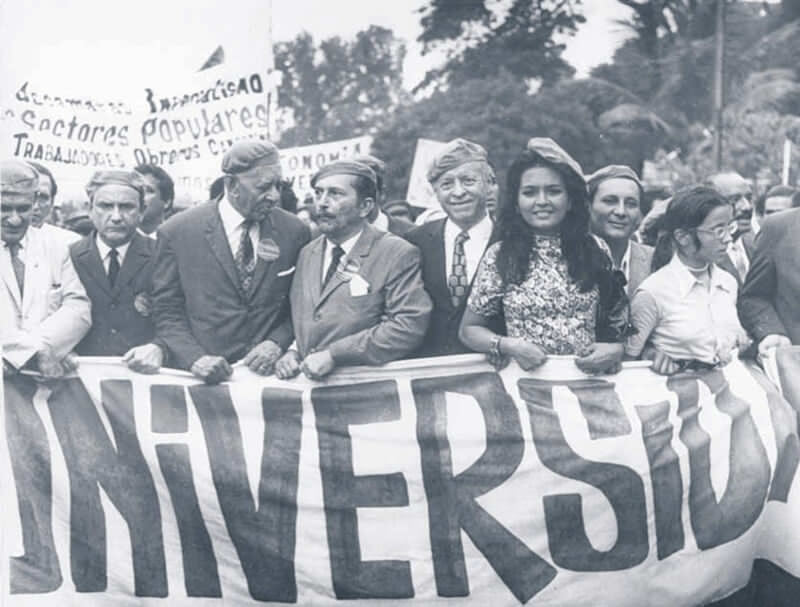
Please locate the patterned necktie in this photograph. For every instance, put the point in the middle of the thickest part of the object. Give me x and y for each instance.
(338, 252)
(245, 258)
(113, 266)
(457, 282)
(739, 258)
(18, 265)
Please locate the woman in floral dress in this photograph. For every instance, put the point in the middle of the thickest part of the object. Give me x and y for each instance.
(551, 278)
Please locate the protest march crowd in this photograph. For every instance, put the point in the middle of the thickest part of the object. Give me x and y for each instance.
(555, 263)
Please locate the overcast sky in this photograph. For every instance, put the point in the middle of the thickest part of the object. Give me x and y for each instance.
(91, 43)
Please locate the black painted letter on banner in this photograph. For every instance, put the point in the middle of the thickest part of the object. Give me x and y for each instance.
(570, 546)
(337, 407)
(452, 501)
(38, 569)
(92, 460)
(716, 522)
(264, 538)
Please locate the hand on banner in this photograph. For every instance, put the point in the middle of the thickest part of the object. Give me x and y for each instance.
(663, 364)
(49, 366)
(70, 363)
(262, 357)
(772, 341)
(528, 355)
(601, 358)
(318, 364)
(288, 365)
(147, 358)
(211, 369)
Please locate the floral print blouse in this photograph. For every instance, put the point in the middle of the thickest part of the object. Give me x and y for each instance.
(547, 308)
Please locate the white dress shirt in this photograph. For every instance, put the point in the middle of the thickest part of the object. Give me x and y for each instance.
(474, 247)
(684, 318)
(232, 224)
(625, 263)
(346, 246)
(105, 252)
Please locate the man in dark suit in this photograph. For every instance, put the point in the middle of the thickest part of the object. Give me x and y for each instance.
(357, 297)
(452, 247)
(738, 192)
(769, 303)
(223, 271)
(115, 265)
(615, 198)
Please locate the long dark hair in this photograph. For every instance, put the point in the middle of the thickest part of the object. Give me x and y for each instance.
(586, 262)
(686, 211)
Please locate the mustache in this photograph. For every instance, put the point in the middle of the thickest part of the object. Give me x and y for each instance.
(746, 214)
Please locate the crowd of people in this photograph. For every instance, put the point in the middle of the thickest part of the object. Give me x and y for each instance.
(557, 263)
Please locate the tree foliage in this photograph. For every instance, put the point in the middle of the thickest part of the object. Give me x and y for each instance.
(337, 88)
(478, 36)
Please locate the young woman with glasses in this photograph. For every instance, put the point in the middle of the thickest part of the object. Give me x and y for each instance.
(685, 311)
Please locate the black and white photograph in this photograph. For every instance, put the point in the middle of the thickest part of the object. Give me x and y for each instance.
(410, 303)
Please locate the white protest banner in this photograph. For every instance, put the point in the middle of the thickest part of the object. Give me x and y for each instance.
(184, 124)
(435, 481)
(420, 193)
(299, 164)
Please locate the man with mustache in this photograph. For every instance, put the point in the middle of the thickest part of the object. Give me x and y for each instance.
(43, 208)
(358, 297)
(739, 194)
(223, 271)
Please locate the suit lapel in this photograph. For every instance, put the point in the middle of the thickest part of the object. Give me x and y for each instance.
(35, 274)
(263, 267)
(88, 258)
(10, 280)
(439, 258)
(357, 254)
(218, 242)
(313, 269)
(136, 258)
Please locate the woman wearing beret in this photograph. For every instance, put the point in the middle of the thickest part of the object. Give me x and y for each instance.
(686, 309)
(550, 277)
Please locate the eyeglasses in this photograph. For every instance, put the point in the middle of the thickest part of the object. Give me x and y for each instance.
(719, 232)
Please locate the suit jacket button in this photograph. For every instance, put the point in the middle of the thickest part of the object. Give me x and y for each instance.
(113, 331)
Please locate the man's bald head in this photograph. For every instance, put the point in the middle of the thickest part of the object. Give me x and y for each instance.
(737, 191)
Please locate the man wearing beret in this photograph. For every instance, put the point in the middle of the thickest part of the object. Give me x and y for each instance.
(378, 217)
(223, 271)
(43, 305)
(615, 197)
(115, 265)
(358, 297)
(452, 247)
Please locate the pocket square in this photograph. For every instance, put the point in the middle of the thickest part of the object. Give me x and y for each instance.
(285, 272)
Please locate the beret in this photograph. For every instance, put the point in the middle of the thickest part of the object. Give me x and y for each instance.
(376, 164)
(612, 171)
(244, 155)
(454, 154)
(129, 179)
(17, 177)
(345, 167)
(551, 152)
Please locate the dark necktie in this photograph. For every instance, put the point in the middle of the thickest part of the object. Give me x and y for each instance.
(18, 265)
(245, 258)
(338, 252)
(113, 266)
(457, 282)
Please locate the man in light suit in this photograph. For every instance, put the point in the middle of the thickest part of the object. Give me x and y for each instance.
(769, 302)
(357, 297)
(615, 197)
(115, 265)
(452, 247)
(43, 305)
(738, 192)
(223, 270)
